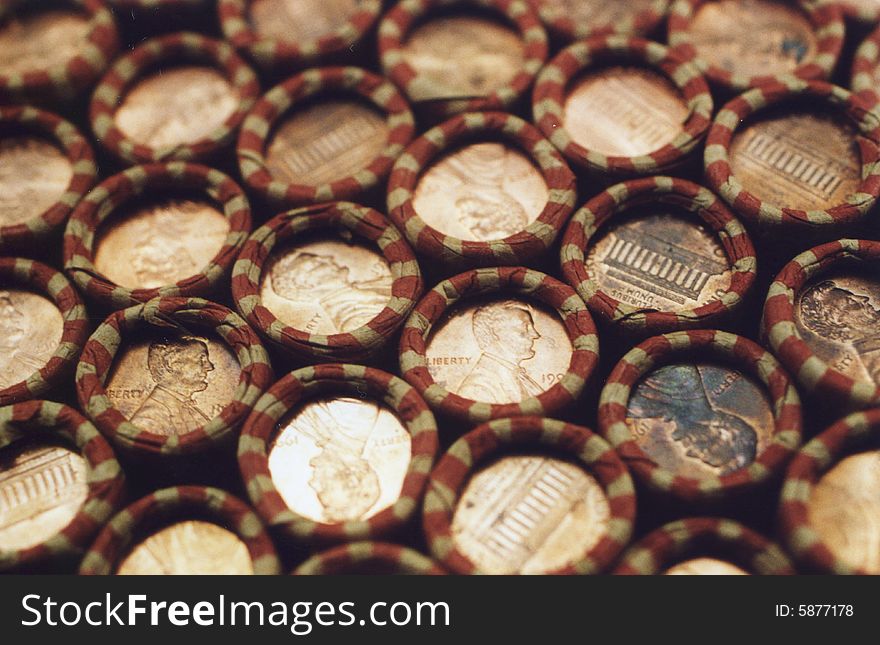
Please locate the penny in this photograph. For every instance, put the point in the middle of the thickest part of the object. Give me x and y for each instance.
(31, 41)
(301, 20)
(797, 159)
(838, 316)
(176, 106)
(42, 488)
(326, 285)
(34, 175)
(481, 192)
(844, 509)
(697, 420)
(172, 384)
(192, 547)
(624, 111)
(529, 514)
(594, 13)
(462, 56)
(326, 141)
(498, 350)
(659, 259)
(31, 327)
(340, 459)
(752, 37)
(157, 242)
(705, 567)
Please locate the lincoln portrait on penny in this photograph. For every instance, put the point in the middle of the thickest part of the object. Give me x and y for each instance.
(179, 370)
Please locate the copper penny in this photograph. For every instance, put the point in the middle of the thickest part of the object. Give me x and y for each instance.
(172, 384)
(529, 514)
(31, 327)
(752, 37)
(462, 56)
(340, 459)
(481, 192)
(301, 20)
(844, 509)
(498, 350)
(659, 259)
(797, 159)
(192, 547)
(697, 420)
(838, 316)
(176, 106)
(326, 285)
(158, 242)
(326, 141)
(705, 567)
(42, 488)
(624, 111)
(31, 41)
(34, 175)
(594, 13)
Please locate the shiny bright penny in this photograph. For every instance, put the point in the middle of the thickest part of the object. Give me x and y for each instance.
(301, 20)
(462, 56)
(595, 13)
(192, 547)
(176, 106)
(340, 459)
(797, 158)
(753, 37)
(326, 285)
(498, 350)
(42, 488)
(34, 175)
(32, 41)
(159, 242)
(326, 141)
(705, 567)
(529, 514)
(844, 509)
(31, 327)
(624, 111)
(481, 192)
(658, 259)
(171, 385)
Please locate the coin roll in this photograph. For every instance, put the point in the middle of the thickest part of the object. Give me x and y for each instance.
(326, 134)
(481, 189)
(677, 259)
(529, 495)
(158, 230)
(701, 416)
(821, 318)
(369, 558)
(47, 168)
(741, 44)
(330, 281)
(864, 13)
(499, 342)
(43, 326)
(704, 546)
(569, 20)
(463, 55)
(622, 106)
(282, 35)
(828, 510)
(175, 97)
(796, 157)
(183, 530)
(337, 453)
(59, 484)
(51, 53)
(174, 376)
(865, 74)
